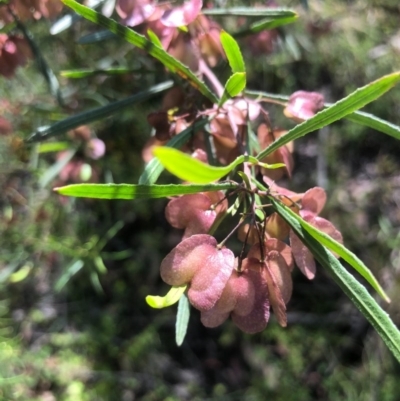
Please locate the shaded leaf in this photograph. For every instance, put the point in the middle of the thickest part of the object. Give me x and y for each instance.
(265, 24)
(172, 297)
(84, 73)
(96, 37)
(55, 169)
(45, 132)
(182, 320)
(141, 42)
(251, 12)
(132, 191)
(69, 272)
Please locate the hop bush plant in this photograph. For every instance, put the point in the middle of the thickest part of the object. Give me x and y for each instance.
(218, 139)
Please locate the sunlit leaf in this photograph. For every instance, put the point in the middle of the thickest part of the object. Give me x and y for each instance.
(189, 169)
(147, 45)
(172, 297)
(21, 274)
(340, 109)
(60, 127)
(182, 320)
(154, 38)
(233, 53)
(133, 191)
(154, 168)
(233, 87)
(343, 252)
(357, 293)
(376, 123)
(53, 147)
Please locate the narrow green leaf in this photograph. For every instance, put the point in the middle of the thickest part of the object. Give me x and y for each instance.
(359, 117)
(85, 72)
(141, 42)
(55, 169)
(132, 191)
(172, 297)
(154, 168)
(43, 133)
(189, 169)
(357, 293)
(251, 12)
(96, 37)
(263, 25)
(70, 271)
(233, 87)
(233, 53)
(154, 38)
(342, 108)
(182, 320)
(41, 63)
(376, 123)
(53, 147)
(343, 252)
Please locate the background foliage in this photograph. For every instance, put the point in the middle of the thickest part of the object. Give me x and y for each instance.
(74, 274)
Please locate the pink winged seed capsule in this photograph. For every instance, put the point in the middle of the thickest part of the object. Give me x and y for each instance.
(312, 204)
(198, 262)
(194, 212)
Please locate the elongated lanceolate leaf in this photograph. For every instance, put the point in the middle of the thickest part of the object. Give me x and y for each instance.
(96, 37)
(189, 169)
(140, 41)
(359, 117)
(84, 73)
(357, 293)
(263, 25)
(376, 123)
(233, 53)
(53, 147)
(133, 191)
(182, 320)
(89, 116)
(154, 168)
(172, 297)
(233, 87)
(342, 108)
(251, 12)
(343, 252)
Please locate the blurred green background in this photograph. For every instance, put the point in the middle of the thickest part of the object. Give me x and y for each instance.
(74, 273)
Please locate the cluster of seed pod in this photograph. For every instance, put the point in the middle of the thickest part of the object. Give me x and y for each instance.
(222, 286)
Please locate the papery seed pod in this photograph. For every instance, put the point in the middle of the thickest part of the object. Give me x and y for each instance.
(195, 212)
(257, 319)
(197, 261)
(303, 105)
(209, 282)
(238, 295)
